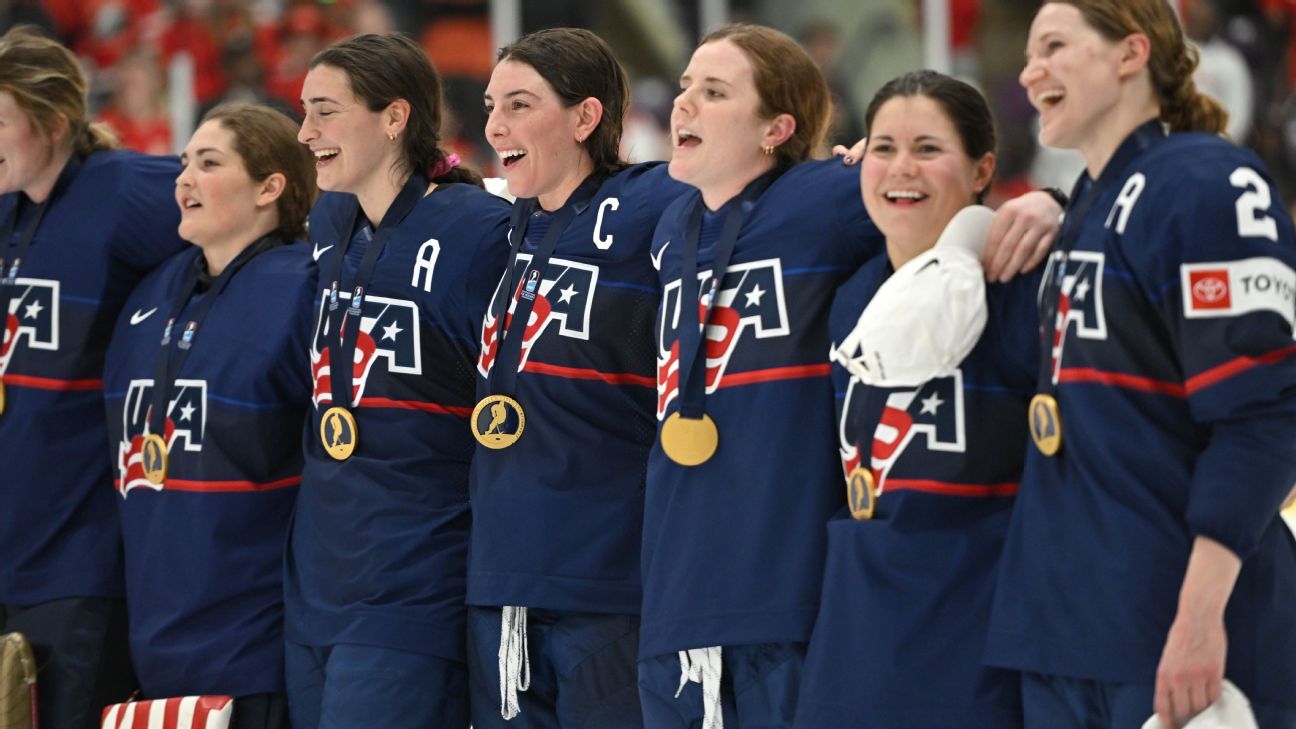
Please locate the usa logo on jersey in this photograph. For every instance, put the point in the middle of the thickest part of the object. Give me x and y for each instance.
(388, 331)
(1079, 300)
(186, 424)
(934, 410)
(750, 298)
(565, 296)
(33, 316)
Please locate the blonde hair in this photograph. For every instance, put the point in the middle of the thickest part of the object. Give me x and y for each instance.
(47, 83)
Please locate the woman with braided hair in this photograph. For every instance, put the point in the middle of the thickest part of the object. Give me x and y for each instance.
(1146, 561)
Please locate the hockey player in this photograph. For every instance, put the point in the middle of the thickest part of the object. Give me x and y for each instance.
(1146, 560)
(205, 505)
(408, 255)
(80, 223)
(931, 467)
(558, 479)
(743, 477)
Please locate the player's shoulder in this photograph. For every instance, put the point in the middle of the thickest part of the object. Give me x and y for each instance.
(854, 294)
(1185, 160)
(128, 166)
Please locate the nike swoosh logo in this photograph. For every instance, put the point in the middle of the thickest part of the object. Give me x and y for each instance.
(657, 259)
(140, 315)
(320, 251)
(929, 264)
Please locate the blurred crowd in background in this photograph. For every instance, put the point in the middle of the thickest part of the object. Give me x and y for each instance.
(141, 54)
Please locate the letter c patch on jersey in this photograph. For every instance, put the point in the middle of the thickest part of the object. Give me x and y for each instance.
(1232, 288)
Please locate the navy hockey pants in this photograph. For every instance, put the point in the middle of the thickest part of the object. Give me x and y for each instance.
(583, 673)
(1055, 702)
(758, 688)
(352, 686)
(82, 656)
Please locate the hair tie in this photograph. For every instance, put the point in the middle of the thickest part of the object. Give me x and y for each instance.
(450, 162)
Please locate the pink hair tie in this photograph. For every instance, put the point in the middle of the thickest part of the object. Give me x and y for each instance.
(450, 162)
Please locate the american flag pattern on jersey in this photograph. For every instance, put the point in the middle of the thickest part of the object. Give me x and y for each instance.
(189, 712)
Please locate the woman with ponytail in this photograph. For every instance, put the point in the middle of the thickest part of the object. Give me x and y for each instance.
(80, 224)
(1146, 566)
(409, 249)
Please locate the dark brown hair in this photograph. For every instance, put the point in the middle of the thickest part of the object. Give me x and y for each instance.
(963, 104)
(387, 67)
(579, 65)
(47, 82)
(1171, 62)
(788, 82)
(266, 140)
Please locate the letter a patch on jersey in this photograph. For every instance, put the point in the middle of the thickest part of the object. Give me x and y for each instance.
(186, 424)
(750, 298)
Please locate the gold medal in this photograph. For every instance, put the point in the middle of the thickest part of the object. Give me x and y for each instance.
(338, 433)
(689, 441)
(860, 493)
(2, 396)
(154, 455)
(497, 421)
(1045, 424)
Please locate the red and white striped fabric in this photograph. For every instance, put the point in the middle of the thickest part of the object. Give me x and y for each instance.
(189, 712)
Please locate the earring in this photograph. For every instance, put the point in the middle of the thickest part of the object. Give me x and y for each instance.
(391, 136)
(768, 151)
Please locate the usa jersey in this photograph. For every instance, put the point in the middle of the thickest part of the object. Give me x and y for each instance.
(551, 530)
(733, 548)
(906, 595)
(1172, 358)
(113, 222)
(204, 550)
(379, 545)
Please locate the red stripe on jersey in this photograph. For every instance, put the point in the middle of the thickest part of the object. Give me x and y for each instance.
(577, 373)
(216, 487)
(1235, 367)
(427, 407)
(734, 379)
(50, 383)
(1131, 382)
(950, 489)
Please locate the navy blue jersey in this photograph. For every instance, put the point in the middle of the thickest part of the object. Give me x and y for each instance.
(906, 595)
(551, 530)
(733, 548)
(1172, 363)
(204, 551)
(379, 545)
(114, 222)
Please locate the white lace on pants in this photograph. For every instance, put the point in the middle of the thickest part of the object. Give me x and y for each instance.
(514, 663)
(702, 665)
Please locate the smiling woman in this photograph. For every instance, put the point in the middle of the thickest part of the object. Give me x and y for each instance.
(554, 565)
(80, 224)
(408, 260)
(1165, 417)
(206, 426)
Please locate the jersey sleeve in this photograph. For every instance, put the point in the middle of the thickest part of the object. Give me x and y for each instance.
(1227, 299)
(145, 232)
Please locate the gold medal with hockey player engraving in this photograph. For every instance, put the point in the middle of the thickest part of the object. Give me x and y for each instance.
(153, 454)
(338, 433)
(497, 421)
(1045, 423)
(689, 441)
(861, 493)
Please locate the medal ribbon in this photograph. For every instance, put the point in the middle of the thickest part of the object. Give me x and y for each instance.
(171, 359)
(341, 341)
(9, 268)
(1083, 197)
(511, 332)
(692, 355)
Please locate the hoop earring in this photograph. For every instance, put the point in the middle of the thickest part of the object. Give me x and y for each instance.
(767, 151)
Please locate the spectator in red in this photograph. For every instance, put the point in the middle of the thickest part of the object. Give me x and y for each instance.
(137, 111)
